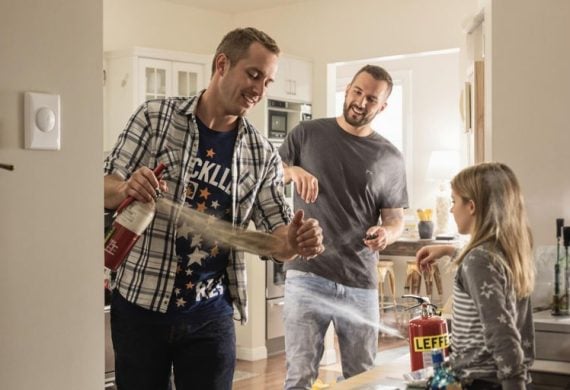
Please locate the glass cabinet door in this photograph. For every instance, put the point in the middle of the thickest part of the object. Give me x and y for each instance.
(154, 79)
(188, 78)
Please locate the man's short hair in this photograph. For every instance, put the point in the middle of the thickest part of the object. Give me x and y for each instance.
(236, 43)
(378, 73)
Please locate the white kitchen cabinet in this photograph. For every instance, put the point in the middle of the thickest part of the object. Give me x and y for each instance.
(293, 80)
(139, 74)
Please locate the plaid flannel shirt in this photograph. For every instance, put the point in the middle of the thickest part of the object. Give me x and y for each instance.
(165, 131)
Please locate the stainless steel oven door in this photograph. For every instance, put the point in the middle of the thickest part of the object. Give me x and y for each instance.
(275, 327)
(275, 280)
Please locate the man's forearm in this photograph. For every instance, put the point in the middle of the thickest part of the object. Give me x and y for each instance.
(284, 252)
(393, 223)
(287, 173)
(394, 231)
(114, 191)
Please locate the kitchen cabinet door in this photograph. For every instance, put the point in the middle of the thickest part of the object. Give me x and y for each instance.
(187, 78)
(293, 80)
(155, 79)
(139, 74)
(300, 73)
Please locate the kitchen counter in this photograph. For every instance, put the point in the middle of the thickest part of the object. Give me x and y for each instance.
(551, 369)
(385, 376)
(407, 247)
(545, 373)
(552, 337)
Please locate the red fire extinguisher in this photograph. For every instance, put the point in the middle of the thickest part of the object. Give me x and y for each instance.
(131, 220)
(426, 332)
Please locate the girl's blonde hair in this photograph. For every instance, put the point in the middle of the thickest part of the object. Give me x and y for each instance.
(500, 219)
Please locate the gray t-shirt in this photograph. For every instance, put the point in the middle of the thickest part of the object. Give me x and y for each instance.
(357, 177)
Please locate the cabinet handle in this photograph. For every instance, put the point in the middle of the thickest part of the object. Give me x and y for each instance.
(8, 167)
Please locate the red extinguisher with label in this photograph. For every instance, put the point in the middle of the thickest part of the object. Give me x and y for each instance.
(426, 332)
(131, 220)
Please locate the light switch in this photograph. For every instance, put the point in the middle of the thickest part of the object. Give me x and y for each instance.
(41, 121)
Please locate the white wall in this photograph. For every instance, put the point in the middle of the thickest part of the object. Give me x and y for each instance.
(530, 92)
(162, 25)
(51, 221)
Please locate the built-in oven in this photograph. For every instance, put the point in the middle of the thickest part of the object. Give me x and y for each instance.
(275, 279)
(277, 124)
(274, 294)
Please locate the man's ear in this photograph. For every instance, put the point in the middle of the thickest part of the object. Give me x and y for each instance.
(222, 64)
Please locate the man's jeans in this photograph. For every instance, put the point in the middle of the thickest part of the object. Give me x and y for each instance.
(311, 303)
(202, 355)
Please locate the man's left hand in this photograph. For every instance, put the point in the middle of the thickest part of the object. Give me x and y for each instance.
(376, 238)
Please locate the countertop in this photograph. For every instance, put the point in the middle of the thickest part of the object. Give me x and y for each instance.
(544, 321)
(386, 376)
(390, 375)
(408, 247)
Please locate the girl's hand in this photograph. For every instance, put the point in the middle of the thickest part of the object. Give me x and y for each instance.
(427, 255)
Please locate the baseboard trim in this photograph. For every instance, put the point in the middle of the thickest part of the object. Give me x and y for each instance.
(251, 354)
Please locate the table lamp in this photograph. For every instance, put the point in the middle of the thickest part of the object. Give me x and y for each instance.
(442, 166)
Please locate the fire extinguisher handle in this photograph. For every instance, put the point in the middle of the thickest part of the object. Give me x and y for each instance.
(129, 199)
(418, 298)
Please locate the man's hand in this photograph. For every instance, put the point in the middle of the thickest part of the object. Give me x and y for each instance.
(302, 237)
(376, 238)
(142, 186)
(306, 184)
(305, 236)
(379, 237)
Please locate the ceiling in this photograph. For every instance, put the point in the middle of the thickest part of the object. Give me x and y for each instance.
(235, 6)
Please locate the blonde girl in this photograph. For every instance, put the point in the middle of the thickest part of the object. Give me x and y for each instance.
(492, 330)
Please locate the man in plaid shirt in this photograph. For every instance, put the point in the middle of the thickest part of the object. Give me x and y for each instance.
(173, 304)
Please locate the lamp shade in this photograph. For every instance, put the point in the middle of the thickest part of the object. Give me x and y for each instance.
(443, 165)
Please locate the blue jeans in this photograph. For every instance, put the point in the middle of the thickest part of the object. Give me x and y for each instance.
(311, 303)
(202, 355)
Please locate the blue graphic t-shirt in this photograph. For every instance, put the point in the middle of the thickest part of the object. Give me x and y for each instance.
(200, 287)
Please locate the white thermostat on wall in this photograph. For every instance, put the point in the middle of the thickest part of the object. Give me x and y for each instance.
(41, 121)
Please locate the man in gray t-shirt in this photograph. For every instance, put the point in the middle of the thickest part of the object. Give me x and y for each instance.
(353, 181)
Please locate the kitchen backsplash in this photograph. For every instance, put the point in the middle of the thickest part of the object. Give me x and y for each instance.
(545, 258)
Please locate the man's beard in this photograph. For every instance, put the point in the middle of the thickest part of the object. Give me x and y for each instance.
(365, 118)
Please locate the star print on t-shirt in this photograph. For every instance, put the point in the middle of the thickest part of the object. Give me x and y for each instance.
(202, 261)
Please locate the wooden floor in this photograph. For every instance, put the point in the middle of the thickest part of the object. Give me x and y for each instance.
(272, 370)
